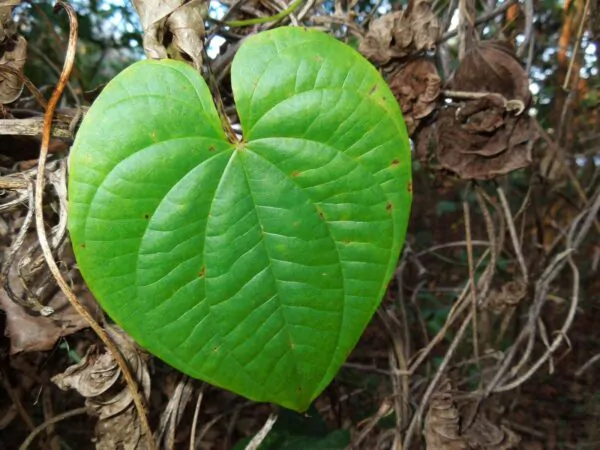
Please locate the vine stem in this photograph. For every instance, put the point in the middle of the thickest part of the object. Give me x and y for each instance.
(74, 412)
(41, 231)
(259, 20)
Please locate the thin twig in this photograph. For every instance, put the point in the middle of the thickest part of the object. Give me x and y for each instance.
(577, 43)
(384, 409)
(557, 341)
(195, 419)
(262, 434)
(53, 420)
(416, 420)
(587, 365)
(480, 20)
(513, 234)
(467, 214)
(39, 216)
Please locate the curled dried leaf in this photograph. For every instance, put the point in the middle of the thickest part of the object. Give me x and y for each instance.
(416, 86)
(425, 25)
(401, 33)
(485, 144)
(493, 67)
(28, 331)
(489, 134)
(173, 28)
(442, 423)
(7, 26)
(483, 434)
(13, 54)
(509, 296)
(97, 377)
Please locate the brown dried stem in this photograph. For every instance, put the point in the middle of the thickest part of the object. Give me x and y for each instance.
(467, 214)
(52, 421)
(39, 190)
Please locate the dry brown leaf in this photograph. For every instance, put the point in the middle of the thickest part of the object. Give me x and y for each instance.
(401, 33)
(97, 377)
(492, 66)
(483, 155)
(484, 138)
(509, 296)
(13, 54)
(416, 86)
(425, 25)
(484, 435)
(425, 140)
(173, 28)
(28, 332)
(7, 27)
(442, 423)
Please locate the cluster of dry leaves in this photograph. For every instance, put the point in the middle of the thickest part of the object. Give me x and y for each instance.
(477, 125)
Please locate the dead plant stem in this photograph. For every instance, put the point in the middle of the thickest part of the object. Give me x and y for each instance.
(513, 234)
(39, 216)
(52, 421)
(258, 439)
(467, 214)
(196, 415)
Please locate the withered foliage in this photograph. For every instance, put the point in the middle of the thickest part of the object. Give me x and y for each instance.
(487, 132)
(173, 28)
(509, 296)
(442, 423)
(416, 86)
(394, 40)
(13, 54)
(448, 425)
(401, 33)
(97, 378)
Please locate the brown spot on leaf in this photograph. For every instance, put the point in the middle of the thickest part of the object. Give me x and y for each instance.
(211, 148)
(373, 89)
(202, 272)
(410, 187)
(82, 245)
(146, 216)
(321, 215)
(389, 206)
(395, 162)
(295, 173)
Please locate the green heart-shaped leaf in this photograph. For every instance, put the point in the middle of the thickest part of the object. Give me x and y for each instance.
(256, 265)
